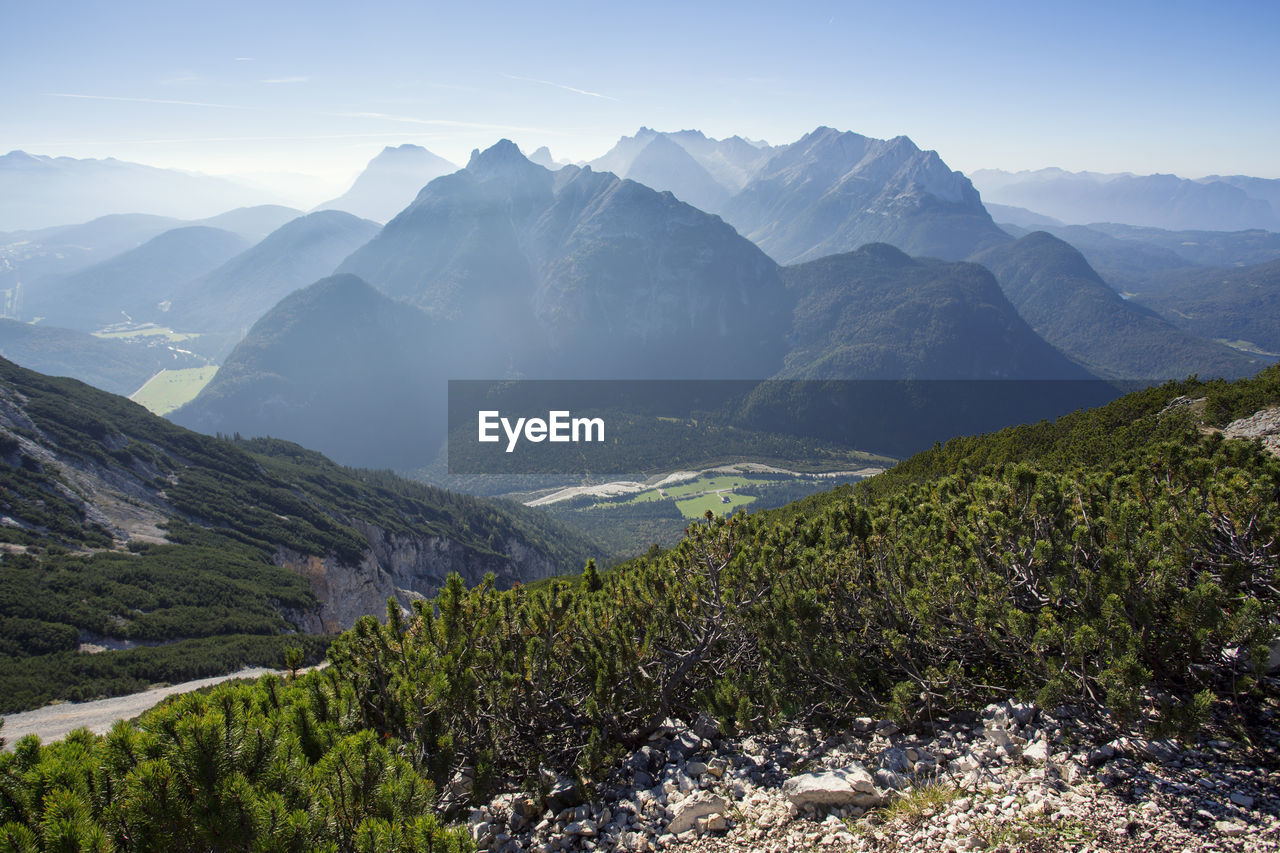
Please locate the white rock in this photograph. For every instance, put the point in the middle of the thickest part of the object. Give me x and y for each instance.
(702, 804)
(851, 785)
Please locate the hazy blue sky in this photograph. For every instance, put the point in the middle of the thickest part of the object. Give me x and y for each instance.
(320, 87)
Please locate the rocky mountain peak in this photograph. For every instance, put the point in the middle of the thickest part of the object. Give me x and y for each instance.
(498, 160)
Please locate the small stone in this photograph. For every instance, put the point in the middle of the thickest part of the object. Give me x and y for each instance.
(895, 760)
(1037, 752)
(706, 727)
(1101, 754)
(884, 778)
(1230, 827)
(1244, 801)
(685, 815)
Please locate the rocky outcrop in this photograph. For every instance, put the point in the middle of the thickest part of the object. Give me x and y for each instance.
(1263, 425)
(403, 567)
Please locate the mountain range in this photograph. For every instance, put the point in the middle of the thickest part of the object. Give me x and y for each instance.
(577, 273)
(225, 302)
(1160, 201)
(832, 192)
(30, 258)
(701, 171)
(38, 191)
(134, 286)
(508, 269)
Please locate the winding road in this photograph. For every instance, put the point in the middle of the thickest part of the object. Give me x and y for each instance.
(54, 722)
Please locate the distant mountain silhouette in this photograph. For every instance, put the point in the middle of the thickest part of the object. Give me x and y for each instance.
(390, 182)
(726, 163)
(544, 159)
(38, 191)
(30, 257)
(1161, 201)
(226, 301)
(134, 286)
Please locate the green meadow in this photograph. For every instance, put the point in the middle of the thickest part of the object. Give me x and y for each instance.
(169, 389)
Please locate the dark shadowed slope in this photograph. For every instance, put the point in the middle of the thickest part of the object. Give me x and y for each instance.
(1060, 295)
(878, 314)
(336, 366)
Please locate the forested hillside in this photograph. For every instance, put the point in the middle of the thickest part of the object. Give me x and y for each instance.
(119, 530)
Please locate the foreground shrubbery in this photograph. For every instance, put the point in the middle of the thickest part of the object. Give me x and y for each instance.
(1136, 574)
(272, 766)
(1118, 588)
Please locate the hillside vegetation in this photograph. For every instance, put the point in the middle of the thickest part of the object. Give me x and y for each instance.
(121, 529)
(1121, 559)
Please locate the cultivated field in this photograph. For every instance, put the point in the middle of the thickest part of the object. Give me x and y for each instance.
(169, 389)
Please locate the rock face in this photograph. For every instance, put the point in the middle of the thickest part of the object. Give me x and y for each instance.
(832, 192)
(405, 567)
(1264, 425)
